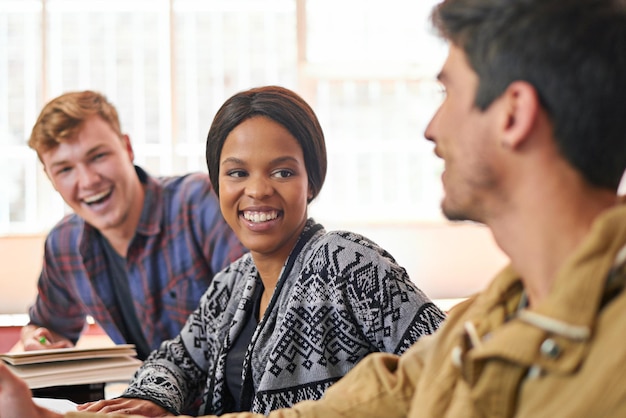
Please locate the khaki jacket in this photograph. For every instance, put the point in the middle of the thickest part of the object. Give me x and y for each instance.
(564, 358)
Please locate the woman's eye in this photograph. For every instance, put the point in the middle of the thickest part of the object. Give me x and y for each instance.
(283, 173)
(236, 173)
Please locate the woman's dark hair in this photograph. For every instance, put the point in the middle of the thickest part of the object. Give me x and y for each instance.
(281, 105)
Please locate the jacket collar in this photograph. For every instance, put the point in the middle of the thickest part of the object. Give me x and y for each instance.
(554, 334)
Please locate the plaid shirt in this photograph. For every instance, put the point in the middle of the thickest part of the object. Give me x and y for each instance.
(180, 242)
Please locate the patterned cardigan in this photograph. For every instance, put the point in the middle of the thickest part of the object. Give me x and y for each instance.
(340, 297)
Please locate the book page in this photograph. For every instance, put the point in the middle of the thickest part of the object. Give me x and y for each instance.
(62, 354)
(76, 372)
(60, 406)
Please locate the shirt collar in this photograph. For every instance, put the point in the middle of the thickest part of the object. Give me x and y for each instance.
(153, 207)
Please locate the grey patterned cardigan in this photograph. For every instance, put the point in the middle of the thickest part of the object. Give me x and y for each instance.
(340, 297)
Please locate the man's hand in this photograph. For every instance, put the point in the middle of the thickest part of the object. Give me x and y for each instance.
(16, 400)
(125, 405)
(39, 338)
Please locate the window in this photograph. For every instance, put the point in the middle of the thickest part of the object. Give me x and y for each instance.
(365, 66)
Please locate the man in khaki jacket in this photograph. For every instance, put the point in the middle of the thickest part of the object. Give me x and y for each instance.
(533, 134)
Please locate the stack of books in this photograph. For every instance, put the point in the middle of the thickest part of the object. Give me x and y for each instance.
(74, 366)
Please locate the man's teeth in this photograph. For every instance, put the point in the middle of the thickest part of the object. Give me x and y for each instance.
(260, 216)
(96, 197)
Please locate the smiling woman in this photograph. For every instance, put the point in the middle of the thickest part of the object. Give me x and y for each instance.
(264, 192)
(286, 321)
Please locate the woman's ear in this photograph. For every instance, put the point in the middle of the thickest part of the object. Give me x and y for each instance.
(521, 106)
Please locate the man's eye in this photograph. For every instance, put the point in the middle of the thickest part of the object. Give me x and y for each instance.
(441, 89)
(63, 170)
(435, 89)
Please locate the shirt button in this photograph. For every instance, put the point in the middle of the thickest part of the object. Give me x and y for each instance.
(550, 348)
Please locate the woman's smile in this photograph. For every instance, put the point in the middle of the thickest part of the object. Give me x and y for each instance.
(264, 187)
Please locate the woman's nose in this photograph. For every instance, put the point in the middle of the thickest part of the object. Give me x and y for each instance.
(259, 187)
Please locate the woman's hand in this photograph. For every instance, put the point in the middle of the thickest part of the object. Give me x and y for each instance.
(125, 406)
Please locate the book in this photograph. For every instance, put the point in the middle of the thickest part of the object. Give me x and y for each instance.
(61, 354)
(73, 366)
(57, 405)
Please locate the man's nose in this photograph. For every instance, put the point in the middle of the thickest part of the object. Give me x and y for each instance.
(87, 176)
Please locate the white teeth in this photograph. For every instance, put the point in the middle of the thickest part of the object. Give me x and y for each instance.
(96, 197)
(260, 216)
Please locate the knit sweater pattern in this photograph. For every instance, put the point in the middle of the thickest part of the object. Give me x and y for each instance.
(340, 297)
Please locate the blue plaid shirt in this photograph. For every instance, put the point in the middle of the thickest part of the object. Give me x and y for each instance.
(181, 241)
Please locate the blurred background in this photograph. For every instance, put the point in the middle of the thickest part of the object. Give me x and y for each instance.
(367, 68)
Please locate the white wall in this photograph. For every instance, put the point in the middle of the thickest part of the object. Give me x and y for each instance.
(20, 263)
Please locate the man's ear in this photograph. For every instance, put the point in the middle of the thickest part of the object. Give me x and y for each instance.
(521, 106)
(129, 147)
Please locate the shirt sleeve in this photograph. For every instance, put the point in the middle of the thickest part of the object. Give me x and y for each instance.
(168, 378)
(57, 306)
(175, 375)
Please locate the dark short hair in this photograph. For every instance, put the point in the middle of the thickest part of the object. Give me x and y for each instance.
(574, 54)
(281, 105)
